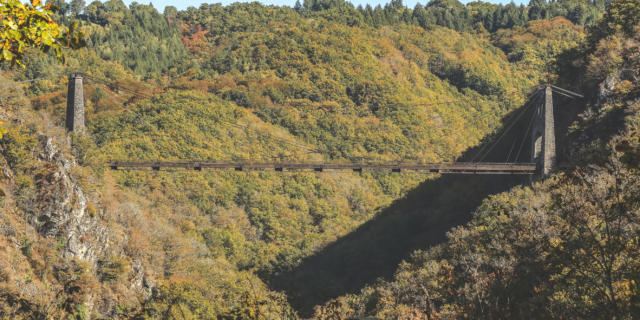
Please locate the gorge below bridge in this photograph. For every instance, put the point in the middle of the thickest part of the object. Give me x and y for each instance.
(420, 219)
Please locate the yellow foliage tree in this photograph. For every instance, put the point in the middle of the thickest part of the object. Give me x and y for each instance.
(29, 25)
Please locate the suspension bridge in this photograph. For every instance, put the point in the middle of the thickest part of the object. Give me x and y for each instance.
(541, 130)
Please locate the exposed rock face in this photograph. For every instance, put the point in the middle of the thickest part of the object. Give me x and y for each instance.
(62, 208)
(607, 87)
(613, 80)
(139, 282)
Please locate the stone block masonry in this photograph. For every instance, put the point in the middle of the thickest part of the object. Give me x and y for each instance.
(75, 103)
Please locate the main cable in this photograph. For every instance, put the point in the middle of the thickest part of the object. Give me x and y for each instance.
(527, 131)
(119, 87)
(503, 134)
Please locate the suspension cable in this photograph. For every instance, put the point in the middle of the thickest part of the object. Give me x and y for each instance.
(527, 132)
(513, 123)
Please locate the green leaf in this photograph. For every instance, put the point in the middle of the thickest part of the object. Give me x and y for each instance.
(10, 24)
(47, 40)
(7, 55)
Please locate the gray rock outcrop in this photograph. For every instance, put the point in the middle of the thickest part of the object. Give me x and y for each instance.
(62, 208)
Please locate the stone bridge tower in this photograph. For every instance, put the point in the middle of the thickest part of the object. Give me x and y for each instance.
(543, 136)
(75, 103)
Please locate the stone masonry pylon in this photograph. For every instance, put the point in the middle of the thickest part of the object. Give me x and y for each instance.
(75, 103)
(543, 138)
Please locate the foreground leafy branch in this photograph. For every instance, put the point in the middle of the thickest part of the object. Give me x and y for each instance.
(29, 25)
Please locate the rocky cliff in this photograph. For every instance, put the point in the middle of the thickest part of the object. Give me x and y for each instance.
(56, 252)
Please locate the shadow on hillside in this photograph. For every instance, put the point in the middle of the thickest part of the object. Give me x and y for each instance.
(418, 221)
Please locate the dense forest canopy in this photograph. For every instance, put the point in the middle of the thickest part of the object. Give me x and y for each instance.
(322, 80)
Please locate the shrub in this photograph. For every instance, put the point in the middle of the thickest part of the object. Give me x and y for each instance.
(112, 268)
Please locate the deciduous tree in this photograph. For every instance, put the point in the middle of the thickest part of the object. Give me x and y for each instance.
(31, 25)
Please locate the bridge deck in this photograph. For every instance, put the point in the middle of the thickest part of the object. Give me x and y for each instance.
(455, 168)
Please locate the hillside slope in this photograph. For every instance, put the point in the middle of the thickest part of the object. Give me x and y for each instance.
(282, 85)
(562, 248)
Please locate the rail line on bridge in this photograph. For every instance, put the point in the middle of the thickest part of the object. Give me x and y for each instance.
(443, 168)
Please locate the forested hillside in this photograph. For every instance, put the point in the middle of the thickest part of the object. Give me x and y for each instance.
(562, 248)
(320, 81)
